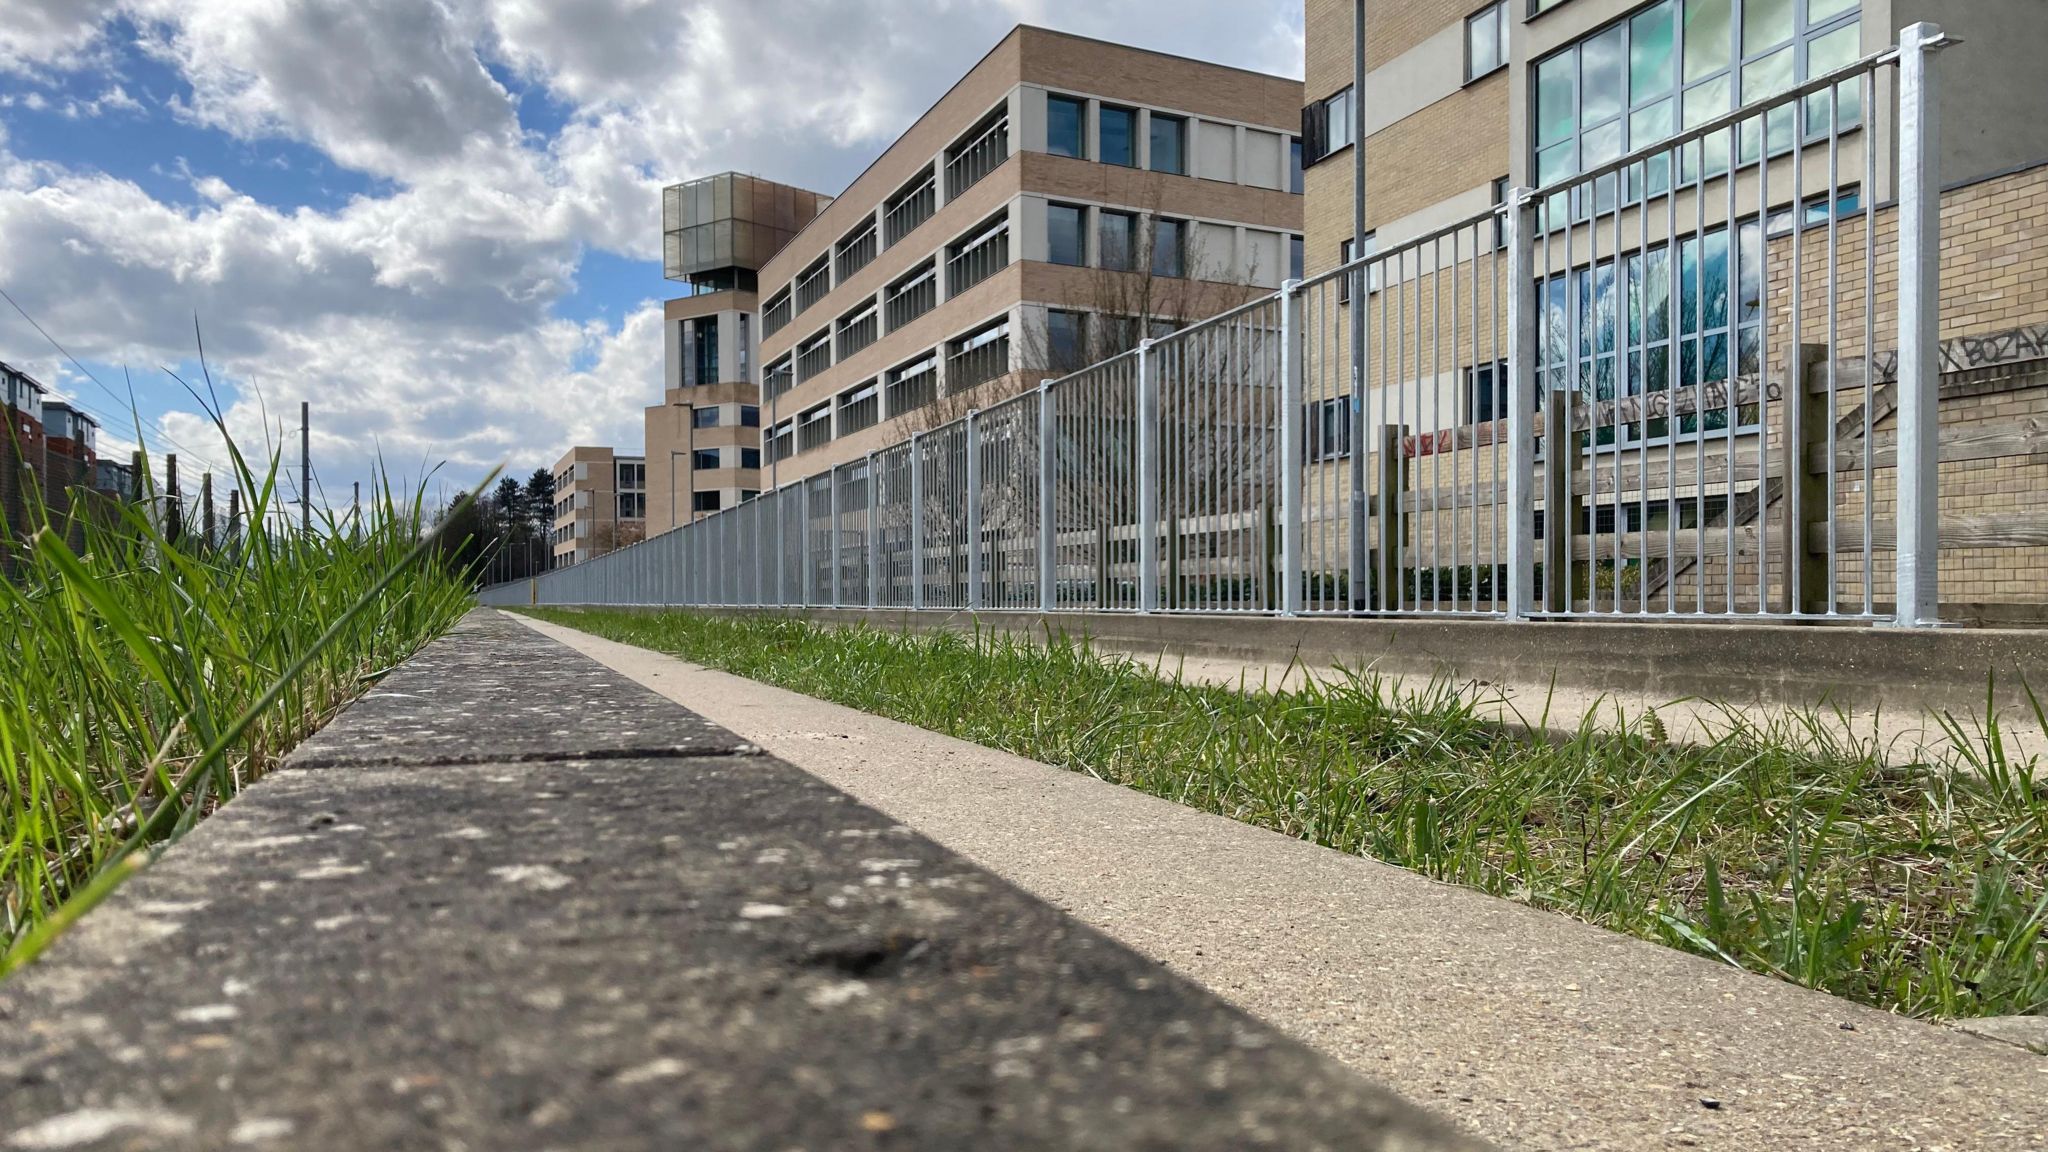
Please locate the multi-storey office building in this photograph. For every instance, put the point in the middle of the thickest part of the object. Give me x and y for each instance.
(600, 504)
(1066, 198)
(703, 441)
(1785, 278)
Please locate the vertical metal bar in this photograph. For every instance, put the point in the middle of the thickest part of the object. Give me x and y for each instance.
(916, 521)
(1797, 448)
(1919, 541)
(1048, 494)
(973, 485)
(872, 538)
(833, 487)
(1520, 220)
(1291, 412)
(1868, 101)
(1148, 476)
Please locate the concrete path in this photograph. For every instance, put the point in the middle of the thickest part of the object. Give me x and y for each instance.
(1534, 1030)
(510, 900)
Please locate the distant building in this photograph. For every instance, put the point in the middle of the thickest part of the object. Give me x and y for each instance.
(704, 439)
(22, 450)
(71, 440)
(600, 504)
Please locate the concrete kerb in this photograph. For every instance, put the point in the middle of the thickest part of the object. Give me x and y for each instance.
(1892, 686)
(429, 946)
(1539, 1031)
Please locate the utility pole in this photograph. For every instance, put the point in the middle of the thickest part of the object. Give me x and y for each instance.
(306, 467)
(174, 513)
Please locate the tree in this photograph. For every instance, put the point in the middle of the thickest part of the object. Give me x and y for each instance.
(539, 506)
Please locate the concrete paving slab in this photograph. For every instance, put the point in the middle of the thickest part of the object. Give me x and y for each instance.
(1535, 1030)
(489, 691)
(682, 952)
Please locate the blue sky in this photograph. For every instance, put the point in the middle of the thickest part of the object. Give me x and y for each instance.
(438, 220)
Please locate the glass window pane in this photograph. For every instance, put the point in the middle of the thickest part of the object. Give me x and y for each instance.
(1482, 42)
(1824, 54)
(1651, 40)
(1600, 76)
(1765, 24)
(1554, 163)
(1707, 45)
(1555, 116)
(1063, 234)
(1063, 126)
(1768, 76)
(1063, 337)
(1702, 104)
(1166, 144)
(1166, 248)
(1819, 10)
(1648, 125)
(1118, 135)
(1600, 145)
(1115, 240)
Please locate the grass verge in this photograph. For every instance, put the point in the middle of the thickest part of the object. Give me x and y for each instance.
(149, 674)
(1790, 849)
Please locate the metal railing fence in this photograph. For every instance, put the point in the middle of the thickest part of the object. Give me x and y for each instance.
(1621, 395)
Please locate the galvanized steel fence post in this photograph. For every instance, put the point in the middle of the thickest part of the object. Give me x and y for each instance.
(1919, 377)
(973, 510)
(833, 488)
(1148, 478)
(916, 521)
(803, 543)
(1048, 492)
(873, 535)
(1520, 211)
(1292, 347)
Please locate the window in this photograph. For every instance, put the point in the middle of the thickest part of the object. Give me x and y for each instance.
(1063, 224)
(1486, 392)
(750, 416)
(815, 282)
(858, 329)
(700, 365)
(782, 440)
(632, 506)
(978, 153)
(1169, 144)
(1848, 202)
(1117, 240)
(775, 315)
(1624, 333)
(859, 407)
(1297, 258)
(911, 386)
(750, 457)
(1678, 64)
(1372, 272)
(813, 356)
(1169, 247)
(912, 296)
(1326, 126)
(855, 250)
(778, 378)
(704, 418)
(1328, 428)
(1294, 179)
(977, 256)
(704, 502)
(912, 205)
(814, 428)
(1540, 6)
(978, 358)
(1486, 40)
(1117, 136)
(704, 459)
(1064, 130)
(1066, 340)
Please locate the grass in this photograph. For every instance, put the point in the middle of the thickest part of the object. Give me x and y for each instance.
(145, 679)
(1791, 850)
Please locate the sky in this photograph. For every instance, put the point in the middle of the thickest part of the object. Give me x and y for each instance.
(437, 221)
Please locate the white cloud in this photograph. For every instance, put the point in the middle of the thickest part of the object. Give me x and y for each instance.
(422, 319)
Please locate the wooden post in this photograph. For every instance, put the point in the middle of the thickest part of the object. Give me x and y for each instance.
(174, 513)
(1391, 484)
(1807, 572)
(206, 509)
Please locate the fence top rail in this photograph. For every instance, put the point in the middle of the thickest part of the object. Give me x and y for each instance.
(1402, 249)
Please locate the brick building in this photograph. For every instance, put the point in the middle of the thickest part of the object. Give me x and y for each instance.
(22, 453)
(600, 504)
(1464, 101)
(1064, 199)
